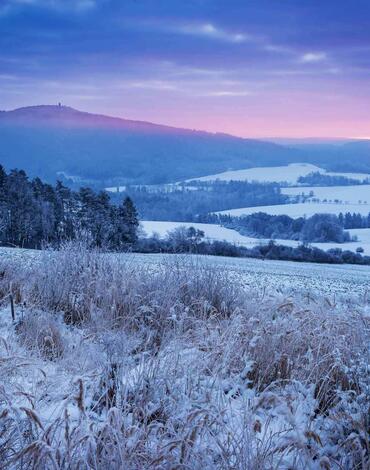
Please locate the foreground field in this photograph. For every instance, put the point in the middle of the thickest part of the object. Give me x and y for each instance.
(138, 362)
(279, 277)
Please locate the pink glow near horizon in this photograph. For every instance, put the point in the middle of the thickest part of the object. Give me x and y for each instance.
(253, 69)
(277, 116)
(271, 114)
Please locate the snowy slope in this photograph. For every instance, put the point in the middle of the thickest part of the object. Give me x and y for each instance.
(346, 194)
(211, 232)
(302, 209)
(279, 174)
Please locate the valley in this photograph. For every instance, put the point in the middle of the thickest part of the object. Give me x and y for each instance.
(184, 235)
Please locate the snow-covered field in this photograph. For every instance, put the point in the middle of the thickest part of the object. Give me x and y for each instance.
(216, 232)
(211, 232)
(280, 276)
(125, 361)
(280, 174)
(362, 234)
(288, 277)
(301, 209)
(346, 194)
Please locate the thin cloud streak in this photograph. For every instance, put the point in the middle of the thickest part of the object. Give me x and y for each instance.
(211, 31)
(152, 85)
(9, 6)
(206, 30)
(228, 93)
(312, 57)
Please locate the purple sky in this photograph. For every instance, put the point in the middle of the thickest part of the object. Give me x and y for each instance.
(261, 68)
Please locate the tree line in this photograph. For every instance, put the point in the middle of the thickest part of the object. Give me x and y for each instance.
(321, 179)
(191, 240)
(197, 199)
(318, 228)
(33, 212)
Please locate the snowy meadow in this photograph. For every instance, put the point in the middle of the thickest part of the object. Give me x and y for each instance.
(115, 361)
(279, 174)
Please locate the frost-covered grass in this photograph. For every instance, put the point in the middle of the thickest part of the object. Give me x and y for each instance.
(176, 364)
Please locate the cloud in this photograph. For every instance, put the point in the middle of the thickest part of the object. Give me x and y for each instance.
(306, 72)
(7, 6)
(312, 57)
(196, 29)
(278, 49)
(228, 93)
(8, 77)
(152, 85)
(211, 31)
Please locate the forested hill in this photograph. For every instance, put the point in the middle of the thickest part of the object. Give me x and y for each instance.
(33, 213)
(59, 142)
(49, 141)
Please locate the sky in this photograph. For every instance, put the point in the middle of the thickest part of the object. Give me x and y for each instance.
(253, 68)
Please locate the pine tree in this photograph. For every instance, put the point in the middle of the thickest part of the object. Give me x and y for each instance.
(102, 226)
(126, 224)
(130, 217)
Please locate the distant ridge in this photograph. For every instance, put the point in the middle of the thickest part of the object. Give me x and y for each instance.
(54, 140)
(49, 140)
(66, 115)
(62, 114)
